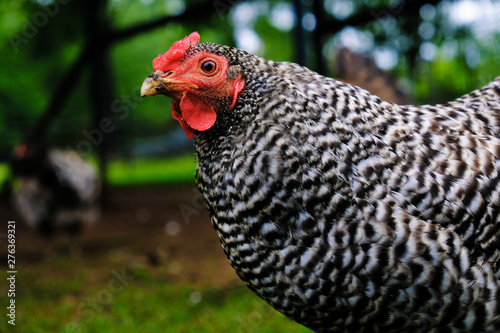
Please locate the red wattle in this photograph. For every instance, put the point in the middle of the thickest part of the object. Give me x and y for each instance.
(189, 131)
(197, 113)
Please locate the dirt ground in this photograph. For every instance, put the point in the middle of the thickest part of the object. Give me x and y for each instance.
(162, 226)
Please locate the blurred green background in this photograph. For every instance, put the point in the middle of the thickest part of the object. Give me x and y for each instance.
(67, 64)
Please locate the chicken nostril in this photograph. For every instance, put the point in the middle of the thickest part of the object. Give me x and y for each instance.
(167, 73)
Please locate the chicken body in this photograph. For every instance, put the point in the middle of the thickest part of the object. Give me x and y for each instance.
(351, 214)
(56, 191)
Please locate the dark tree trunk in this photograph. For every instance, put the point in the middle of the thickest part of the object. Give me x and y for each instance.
(101, 84)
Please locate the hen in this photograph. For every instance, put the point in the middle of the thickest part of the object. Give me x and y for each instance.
(343, 211)
(56, 191)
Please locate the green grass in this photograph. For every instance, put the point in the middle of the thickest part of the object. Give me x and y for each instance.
(179, 169)
(53, 296)
(147, 171)
(4, 171)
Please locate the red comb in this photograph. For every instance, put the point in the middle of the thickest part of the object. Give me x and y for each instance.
(172, 58)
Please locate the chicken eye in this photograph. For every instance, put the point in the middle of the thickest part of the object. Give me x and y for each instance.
(209, 67)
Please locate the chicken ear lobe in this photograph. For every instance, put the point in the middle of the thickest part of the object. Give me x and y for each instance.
(197, 113)
(239, 84)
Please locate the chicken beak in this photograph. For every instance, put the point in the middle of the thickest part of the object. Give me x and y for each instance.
(151, 86)
(155, 84)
